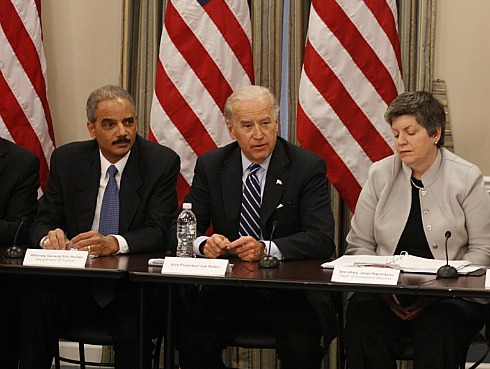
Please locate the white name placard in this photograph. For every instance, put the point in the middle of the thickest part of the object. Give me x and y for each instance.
(56, 258)
(487, 279)
(365, 275)
(195, 266)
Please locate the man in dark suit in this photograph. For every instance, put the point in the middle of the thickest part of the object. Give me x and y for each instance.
(19, 175)
(71, 215)
(294, 194)
(19, 178)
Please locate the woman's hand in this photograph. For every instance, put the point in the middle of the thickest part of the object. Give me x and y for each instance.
(407, 312)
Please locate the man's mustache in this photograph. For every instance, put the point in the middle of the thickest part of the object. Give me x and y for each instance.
(121, 140)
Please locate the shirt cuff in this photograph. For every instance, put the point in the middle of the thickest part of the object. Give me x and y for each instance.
(197, 243)
(123, 244)
(274, 250)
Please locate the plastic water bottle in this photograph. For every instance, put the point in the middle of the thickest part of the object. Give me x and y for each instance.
(186, 232)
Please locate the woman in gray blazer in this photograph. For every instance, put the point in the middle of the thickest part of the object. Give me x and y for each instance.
(409, 202)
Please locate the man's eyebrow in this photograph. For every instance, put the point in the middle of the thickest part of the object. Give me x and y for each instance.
(110, 120)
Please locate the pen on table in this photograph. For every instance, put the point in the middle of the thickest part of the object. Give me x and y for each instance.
(362, 265)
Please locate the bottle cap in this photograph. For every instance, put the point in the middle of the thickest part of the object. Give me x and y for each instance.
(186, 206)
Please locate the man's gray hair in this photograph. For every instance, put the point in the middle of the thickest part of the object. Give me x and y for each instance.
(104, 93)
(250, 93)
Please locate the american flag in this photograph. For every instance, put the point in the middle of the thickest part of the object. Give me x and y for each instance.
(351, 73)
(24, 112)
(205, 53)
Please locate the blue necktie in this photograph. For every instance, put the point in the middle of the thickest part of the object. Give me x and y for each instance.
(103, 291)
(109, 211)
(250, 214)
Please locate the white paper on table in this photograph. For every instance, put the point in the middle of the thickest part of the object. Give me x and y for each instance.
(405, 262)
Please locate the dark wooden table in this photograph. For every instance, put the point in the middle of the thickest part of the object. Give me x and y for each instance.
(306, 274)
(290, 275)
(113, 267)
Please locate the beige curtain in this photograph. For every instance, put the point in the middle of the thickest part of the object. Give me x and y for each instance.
(266, 42)
(142, 27)
(416, 20)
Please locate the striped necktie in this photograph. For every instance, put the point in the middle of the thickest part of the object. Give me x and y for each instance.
(249, 217)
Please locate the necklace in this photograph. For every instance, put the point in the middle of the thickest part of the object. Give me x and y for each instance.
(415, 185)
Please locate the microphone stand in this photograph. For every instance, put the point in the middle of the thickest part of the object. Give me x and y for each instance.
(447, 271)
(15, 251)
(269, 261)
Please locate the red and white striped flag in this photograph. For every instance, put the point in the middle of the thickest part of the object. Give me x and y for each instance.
(351, 73)
(24, 112)
(205, 53)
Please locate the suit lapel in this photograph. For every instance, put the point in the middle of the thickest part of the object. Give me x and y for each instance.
(277, 177)
(3, 153)
(129, 198)
(86, 193)
(231, 185)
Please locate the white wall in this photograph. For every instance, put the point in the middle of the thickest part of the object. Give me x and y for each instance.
(82, 43)
(462, 59)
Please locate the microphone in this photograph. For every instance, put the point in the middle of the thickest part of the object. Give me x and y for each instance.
(15, 251)
(447, 271)
(269, 261)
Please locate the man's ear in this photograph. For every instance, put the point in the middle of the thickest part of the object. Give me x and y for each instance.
(231, 131)
(91, 129)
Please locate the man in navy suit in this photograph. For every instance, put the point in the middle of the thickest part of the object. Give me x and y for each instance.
(69, 215)
(19, 178)
(294, 195)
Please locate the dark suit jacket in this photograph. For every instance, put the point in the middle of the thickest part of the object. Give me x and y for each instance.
(19, 178)
(148, 201)
(295, 194)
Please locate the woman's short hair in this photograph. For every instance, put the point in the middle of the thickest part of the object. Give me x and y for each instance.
(250, 93)
(426, 109)
(104, 93)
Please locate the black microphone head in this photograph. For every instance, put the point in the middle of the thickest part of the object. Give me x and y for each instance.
(447, 234)
(275, 223)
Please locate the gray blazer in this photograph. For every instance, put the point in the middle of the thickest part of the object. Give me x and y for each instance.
(454, 200)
